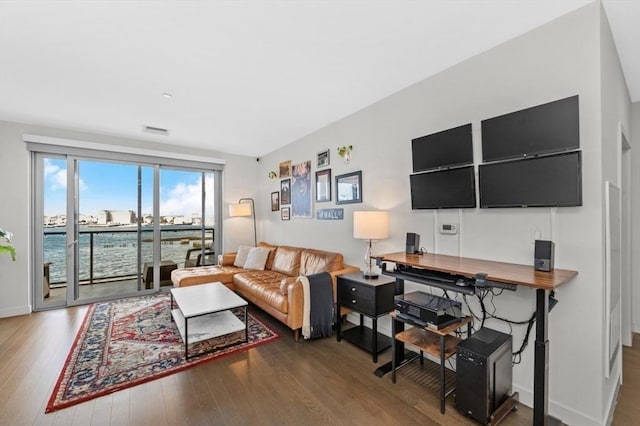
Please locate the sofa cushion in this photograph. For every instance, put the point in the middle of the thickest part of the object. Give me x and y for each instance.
(287, 260)
(272, 253)
(263, 286)
(203, 274)
(316, 261)
(241, 256)
(257, 258)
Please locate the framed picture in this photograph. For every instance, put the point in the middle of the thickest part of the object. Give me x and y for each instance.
(285, 170)
(285, 191)
(349, 188)
(323, 158)
(323, 185)
(301, 191)
(285, 213)
(275, 201)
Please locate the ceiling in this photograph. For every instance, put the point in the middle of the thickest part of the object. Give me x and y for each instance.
(248, 77)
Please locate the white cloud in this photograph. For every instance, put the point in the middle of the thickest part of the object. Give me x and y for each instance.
(56, 177)
(186, 199)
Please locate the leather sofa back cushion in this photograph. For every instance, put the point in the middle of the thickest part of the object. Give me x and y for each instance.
(315, 261)
(272, 253)
(287, 260)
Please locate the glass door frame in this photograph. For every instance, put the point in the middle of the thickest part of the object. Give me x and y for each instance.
(72, 226)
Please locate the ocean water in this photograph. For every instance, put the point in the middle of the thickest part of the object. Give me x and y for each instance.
(115, 253)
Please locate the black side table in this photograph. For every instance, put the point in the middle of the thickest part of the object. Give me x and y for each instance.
(372, 298)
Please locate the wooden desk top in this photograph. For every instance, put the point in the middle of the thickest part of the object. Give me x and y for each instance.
(511, 273)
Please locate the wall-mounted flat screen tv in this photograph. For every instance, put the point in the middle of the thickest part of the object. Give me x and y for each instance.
(452, 147)
(443, 189)
(547, 181)
(543, 129)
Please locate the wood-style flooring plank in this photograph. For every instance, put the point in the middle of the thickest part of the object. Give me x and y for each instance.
(280, 383)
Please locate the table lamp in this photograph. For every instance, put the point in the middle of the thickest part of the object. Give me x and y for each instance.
(370, 225)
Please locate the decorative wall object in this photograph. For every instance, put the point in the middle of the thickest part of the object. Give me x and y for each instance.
(285, 169)
(345, 153)
(275, 201)
(330, 214)
(285, 191)
(301, 197)
(349, 188)
(323, 158)
(272, 175)
(285, 213)
(323, 185)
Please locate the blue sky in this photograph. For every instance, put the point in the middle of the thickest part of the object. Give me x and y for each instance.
(112, 186)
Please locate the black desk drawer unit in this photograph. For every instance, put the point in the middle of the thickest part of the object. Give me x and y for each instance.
(372, 298)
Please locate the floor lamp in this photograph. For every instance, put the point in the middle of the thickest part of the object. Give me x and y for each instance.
(245, 207)
(371, 225)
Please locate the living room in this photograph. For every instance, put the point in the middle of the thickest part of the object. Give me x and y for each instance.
(572, 55)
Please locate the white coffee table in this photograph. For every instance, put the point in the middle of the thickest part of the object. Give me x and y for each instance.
(203, 312)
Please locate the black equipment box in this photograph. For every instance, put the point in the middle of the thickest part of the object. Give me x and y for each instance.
(426, 309)
(483, 373)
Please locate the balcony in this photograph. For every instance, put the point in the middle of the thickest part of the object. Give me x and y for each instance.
(109, 262)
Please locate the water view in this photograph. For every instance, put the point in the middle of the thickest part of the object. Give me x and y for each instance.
(115, 249)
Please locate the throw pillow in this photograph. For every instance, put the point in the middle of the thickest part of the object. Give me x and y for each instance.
(257, 258)
(241, 256)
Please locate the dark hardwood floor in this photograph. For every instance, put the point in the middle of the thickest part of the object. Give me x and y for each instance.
(305, 383)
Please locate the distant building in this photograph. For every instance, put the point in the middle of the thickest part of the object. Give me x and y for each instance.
(123, 217)
(104, 217)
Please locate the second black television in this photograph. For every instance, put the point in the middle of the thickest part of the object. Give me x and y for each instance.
(443, 189)
(549, 181)
(543, 129)
(448, 148)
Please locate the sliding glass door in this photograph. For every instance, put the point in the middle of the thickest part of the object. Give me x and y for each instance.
(107, 229)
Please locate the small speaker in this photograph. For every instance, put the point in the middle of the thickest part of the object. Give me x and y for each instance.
(543, 256)
(413, 243)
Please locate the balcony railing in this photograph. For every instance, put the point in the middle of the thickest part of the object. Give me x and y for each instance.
(111, 253)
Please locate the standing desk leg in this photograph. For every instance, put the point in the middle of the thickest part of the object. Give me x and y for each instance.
(398, 352)
(541, 361)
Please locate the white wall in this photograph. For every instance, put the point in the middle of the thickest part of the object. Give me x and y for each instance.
(635, 208)
(616, 109)
(240, 172)
(557, 60)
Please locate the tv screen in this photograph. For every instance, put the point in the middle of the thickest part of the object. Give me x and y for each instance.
(443, 189)
(543, 129)
(549, 181)
(448, 148)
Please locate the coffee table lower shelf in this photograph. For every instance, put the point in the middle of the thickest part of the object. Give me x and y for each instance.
(208, 326)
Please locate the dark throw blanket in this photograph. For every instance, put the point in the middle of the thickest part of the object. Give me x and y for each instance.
(322, 308)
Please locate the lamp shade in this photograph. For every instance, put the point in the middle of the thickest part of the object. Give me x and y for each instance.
(240, 209)
(371, 225)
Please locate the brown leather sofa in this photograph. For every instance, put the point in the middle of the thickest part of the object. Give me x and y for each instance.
(274, 289)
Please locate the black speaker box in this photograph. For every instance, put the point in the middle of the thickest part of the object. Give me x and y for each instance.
(413, 243)
(543, 255)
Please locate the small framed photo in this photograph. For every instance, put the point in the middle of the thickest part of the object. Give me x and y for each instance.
(285, 213)
(349, 188)
(285, 170)
(285, 191)
(323, 185)
(275, 201)
(323, 158)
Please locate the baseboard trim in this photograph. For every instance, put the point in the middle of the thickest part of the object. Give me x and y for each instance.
(15, 311)
(559, 411)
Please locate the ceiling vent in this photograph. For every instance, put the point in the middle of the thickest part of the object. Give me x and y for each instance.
(155, 130)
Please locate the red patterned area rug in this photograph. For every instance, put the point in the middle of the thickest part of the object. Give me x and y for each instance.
(127, 342)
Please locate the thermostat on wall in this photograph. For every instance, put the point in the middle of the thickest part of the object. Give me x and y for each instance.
(448, 228)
